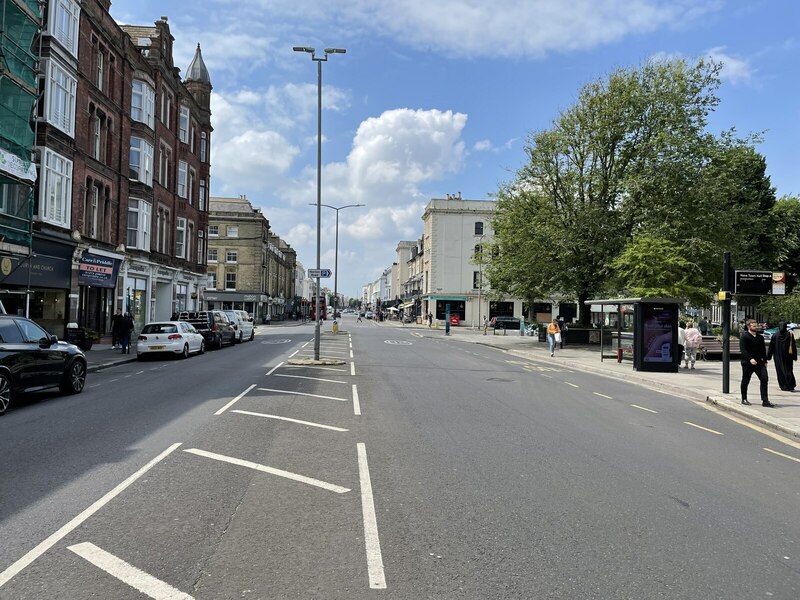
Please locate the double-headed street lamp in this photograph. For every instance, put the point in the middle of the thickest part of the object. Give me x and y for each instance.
(319, 61)
(336, 255)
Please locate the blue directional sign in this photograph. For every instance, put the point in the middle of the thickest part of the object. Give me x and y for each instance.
(323, 273)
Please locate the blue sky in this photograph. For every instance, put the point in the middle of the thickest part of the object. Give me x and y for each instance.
(437, 97)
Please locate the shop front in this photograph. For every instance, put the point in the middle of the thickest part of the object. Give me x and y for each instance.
(458, 306)
(97, 282)
(48, 276)
(250, 302)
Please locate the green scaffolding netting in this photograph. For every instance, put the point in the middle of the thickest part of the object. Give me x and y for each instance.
(16, 211)
(17, 33)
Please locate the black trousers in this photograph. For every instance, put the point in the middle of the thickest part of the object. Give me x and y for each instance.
(761, 372)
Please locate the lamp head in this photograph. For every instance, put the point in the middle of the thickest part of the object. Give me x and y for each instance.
(335, 51)
(303, 49)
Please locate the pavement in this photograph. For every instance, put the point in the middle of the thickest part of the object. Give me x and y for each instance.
(703, 383)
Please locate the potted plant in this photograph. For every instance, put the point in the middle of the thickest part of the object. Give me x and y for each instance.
(90, 336)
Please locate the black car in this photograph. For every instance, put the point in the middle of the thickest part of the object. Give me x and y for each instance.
(32, 360)
(213, 325)
(505, 323)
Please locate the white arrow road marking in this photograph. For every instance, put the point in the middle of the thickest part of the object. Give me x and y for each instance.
(293, 393)
(51, 541)
(309, 423)
(272, 471)
(377, 579)
(127, 573)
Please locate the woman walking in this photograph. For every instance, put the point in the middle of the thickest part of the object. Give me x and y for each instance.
(783, 350)
(553, 332)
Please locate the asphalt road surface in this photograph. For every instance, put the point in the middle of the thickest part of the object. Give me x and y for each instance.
(416, 468)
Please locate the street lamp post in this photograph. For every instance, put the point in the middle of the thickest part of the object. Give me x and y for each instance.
(480, 277)
(319, 61)
(336, 255)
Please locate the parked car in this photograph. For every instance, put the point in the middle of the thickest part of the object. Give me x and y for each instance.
(504, 323)
(169, 337)
(213, 325)
(369, 314)
(32, 360)
(242, 325)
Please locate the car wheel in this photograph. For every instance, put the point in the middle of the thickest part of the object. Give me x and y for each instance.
(241, 337)
(252, 334)
(202, 347)
(218, 343)
(74, 378)
(5, 392)
(185, 353)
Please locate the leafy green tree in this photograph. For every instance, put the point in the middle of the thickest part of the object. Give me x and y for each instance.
(782, 307)
(632, 157)
(657, 267)
(784, 238)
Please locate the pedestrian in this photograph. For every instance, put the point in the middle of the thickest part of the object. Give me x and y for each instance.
(124, 332)
(681, 341)
(429, 318)
(553, 336)
(693, 339)
(783, 351)
(562, 325)
(485, 324)
(754, 360)
(359, 318)
(114, 339)
(704, 328)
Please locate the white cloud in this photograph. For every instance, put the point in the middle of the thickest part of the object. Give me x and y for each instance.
(735, 70)
(512, 28)
(488, 146)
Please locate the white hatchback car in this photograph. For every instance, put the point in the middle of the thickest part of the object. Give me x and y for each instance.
(242, 325)
(170, 337)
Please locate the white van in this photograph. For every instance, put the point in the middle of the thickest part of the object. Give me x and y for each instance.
(242, 325)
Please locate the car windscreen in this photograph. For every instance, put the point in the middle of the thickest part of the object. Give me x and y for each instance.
(160, 328)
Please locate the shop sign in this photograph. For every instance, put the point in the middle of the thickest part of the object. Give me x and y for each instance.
(98, 271)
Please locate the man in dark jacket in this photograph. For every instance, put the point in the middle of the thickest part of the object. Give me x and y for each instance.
(754, 360)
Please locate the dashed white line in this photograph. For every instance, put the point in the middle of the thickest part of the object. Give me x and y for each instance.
(377, 578)
(356, 403)
(351, 354)
(783, 455)
(572, 384)
(353, 369)
(293, 393)
(602, 395)
(52, 540)
(309, 423)
(234, 401)
(139, 372)
(306, 344)
(312, 378)
(272, 471)
(703, 428)
(650, 410)
(127, 573)
(275, 368)
(293, 353)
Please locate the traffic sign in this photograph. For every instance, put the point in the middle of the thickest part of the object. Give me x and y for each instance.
(324, 273)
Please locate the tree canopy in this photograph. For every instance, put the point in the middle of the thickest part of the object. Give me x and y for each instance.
(629, 170)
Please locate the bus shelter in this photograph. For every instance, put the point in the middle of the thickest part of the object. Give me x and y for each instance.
(654, 339)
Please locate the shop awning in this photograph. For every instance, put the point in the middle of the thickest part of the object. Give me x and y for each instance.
(407, 305)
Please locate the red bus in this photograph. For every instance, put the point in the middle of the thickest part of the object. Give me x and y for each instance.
(323, 309)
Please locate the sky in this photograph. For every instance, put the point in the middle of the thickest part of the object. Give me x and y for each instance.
(437, 97)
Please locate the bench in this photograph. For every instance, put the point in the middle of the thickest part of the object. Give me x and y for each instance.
(712, 345)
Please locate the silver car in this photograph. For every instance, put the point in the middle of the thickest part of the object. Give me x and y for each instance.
(242, 325)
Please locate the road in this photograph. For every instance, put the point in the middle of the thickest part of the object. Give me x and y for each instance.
(418, 468)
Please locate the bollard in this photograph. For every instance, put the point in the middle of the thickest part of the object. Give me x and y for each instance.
(335, 326)
(619, 355)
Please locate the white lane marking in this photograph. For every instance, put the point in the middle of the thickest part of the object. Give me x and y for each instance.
(293, 353)
(351, 354)
(602, 395)
(293, 393)
(234, 401)
(306, 344)
(127, 573)
(265, 469)
(377, 579)
(306, 377)
(315, 367)
(351, 345)
(650, 410)
(309, 423)
(783, 455)
(65, 530)
(353, 369)
(572, 384)
(273, 369)
(703, 428)
(323, 351)
(356, 403)
(548, 376)
(139, 372)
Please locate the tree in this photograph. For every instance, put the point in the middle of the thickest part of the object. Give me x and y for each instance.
(657, 267)
(630, 158)
(784, 238)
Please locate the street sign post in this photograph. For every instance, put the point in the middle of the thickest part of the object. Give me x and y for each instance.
(323, 273)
